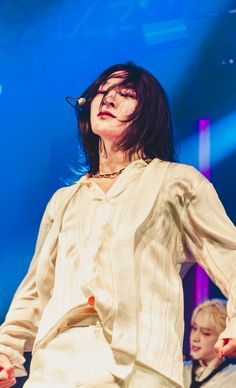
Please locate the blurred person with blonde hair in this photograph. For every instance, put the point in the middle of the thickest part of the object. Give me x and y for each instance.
(206, 369)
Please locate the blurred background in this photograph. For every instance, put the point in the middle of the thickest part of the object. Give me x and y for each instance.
(53, 48)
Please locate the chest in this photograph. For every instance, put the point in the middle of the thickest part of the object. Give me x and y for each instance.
(104, 184)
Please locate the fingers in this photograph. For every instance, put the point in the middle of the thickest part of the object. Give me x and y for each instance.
(8, 382)
(226, 348)
(229, 350)
(7, 378)
(219, 348)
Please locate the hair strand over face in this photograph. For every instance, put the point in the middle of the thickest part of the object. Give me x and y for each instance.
(149, 132)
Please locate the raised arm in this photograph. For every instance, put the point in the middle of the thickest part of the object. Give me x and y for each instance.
(211, 238)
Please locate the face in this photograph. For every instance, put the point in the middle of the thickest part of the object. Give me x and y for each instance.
(118, 104)
(202, 339)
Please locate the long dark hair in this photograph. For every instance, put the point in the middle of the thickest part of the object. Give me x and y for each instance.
(149, 131)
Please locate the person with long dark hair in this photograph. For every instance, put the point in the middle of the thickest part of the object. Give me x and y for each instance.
(102, 303)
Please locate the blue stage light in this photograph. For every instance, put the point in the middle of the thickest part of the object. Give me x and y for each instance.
(165, 31)
(222, 142)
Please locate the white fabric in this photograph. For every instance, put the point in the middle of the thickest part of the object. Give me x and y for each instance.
(126, 248)
(226, 378)
(86, 365)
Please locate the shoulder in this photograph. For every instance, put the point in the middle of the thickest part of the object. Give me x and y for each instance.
(64, 192)
(187, 178)
(226, 377)
(178, 169)
(186, 173)
(61, 197)
(229, 370)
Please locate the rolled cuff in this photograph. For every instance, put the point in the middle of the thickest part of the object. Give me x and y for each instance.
(14, 356)
(230, 330)
(20, 371)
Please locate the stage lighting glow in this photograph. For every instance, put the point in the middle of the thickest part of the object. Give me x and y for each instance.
(222, 141)
(143, 3)
(165, 31)
(201, 278)
(0, 89)
(223, 138)
(219, 137)
(204, 147)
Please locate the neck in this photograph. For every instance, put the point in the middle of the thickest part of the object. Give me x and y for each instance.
(212, 363)
(111, 160)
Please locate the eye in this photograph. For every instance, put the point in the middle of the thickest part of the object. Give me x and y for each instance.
(206, 333)
(127, 93)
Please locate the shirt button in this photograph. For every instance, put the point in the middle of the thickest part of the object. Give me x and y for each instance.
(91, 300)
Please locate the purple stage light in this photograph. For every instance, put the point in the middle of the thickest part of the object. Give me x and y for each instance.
(201, 278)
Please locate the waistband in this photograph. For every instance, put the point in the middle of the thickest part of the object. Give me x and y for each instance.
(88, 321)
(84, 317)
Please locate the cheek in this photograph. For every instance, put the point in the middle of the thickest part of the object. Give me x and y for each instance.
(95, 103)
(133, 104)
(94, 109)
(191, 336)
(128, 108)
(209, 342)
(213, 341)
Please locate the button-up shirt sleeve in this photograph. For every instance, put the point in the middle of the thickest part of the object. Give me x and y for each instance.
(18, 331)
(210, 236)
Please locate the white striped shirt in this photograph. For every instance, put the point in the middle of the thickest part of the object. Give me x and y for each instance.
(125, 247)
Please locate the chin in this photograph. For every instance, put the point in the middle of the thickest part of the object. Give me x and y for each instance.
(98, 129)
(102, 130)
(195, 356)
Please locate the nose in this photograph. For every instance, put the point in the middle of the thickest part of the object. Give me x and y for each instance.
(110, 98)
(196, 336)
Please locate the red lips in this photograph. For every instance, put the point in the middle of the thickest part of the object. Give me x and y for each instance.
(105, 113)
(195, 348)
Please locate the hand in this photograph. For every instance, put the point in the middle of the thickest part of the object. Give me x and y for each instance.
(7, 378)
(226, 347)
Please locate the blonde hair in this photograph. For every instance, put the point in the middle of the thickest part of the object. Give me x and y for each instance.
(217, 313)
